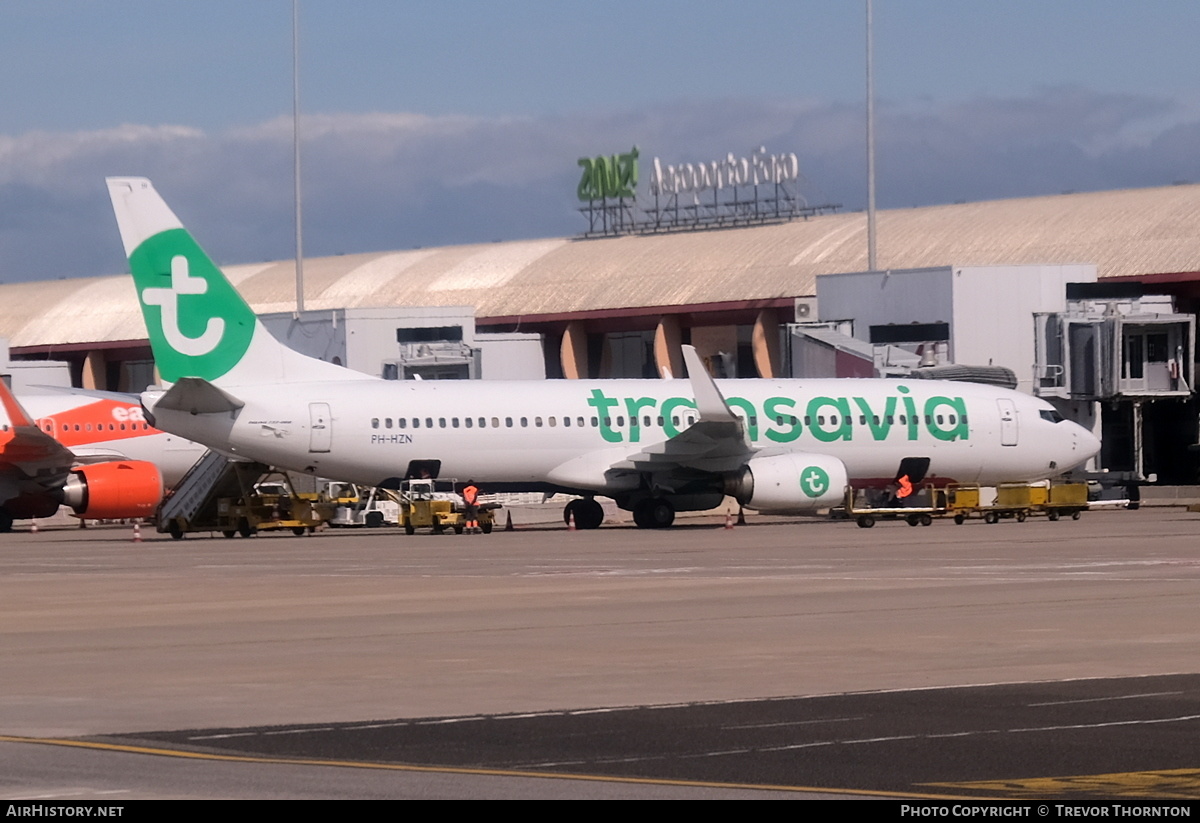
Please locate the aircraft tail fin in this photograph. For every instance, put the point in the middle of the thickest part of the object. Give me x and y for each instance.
(198, 324)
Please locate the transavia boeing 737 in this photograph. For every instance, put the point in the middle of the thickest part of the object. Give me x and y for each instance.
(655, 446)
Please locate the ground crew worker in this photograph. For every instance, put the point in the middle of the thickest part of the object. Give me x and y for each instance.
(470, 494)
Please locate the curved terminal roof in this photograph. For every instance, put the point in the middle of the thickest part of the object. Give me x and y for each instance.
(1125, 232)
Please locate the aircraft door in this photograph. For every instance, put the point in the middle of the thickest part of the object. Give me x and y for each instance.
(320, 428)
(1008, 422)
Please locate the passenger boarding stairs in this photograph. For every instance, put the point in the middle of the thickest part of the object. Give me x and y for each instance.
(213, 476)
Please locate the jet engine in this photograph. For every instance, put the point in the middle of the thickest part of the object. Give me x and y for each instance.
(797, 481)
(114, 490)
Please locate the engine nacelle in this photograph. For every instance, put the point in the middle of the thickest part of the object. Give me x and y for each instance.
(115, 490)
(798, 481)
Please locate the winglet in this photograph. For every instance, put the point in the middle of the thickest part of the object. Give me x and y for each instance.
(17, 416)
(709, 400)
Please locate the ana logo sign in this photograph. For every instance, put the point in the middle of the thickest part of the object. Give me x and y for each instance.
(615, 176)
(755, 170)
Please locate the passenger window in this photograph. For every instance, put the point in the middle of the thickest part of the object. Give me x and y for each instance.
(552, 422)
(374, 422)
(596, 422)
(442, 422)
(387, 423)
(495, 422)
(454, 422)
(508, 422)
(429, 422)
(401, 422)
(537, 421)
(468, 421)
(524, 422)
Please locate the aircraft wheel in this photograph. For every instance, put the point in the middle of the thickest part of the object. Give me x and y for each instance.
(991, 517)
(959, 519)
(865, 521)
(926, 520)
(662, 514)
(588, 513)
(1053, 515)
(374, 520)
(654, 513)
(640, 515)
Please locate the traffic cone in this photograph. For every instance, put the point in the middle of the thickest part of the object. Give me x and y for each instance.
(741, 521)
(728, 520)
(137, 532)
(571, 521)
(508, 526)
(33, 528)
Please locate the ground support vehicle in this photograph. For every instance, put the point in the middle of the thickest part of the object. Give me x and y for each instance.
(423, 505)
(237, 497)
(866, 506)
(1020, 501)
(272, 504)
(356, 506)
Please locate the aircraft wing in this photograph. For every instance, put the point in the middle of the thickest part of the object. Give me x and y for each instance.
(30, 459)
(717, 442)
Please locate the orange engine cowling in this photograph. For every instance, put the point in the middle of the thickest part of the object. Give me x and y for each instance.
(111, 491)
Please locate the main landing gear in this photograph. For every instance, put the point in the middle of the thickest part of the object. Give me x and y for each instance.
(653, 513)
(587, 512)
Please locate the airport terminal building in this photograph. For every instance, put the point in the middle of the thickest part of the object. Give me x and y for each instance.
(1088, 300)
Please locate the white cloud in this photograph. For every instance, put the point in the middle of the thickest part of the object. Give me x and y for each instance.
(384, 180)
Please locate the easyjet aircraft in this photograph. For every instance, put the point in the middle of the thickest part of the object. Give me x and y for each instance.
(38, 473)
(655, 446)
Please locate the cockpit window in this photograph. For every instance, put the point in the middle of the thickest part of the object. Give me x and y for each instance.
(1051, 415)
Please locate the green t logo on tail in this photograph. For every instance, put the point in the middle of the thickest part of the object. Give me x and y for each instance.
(198, 325)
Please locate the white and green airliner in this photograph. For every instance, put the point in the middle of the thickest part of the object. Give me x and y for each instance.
(654, 446)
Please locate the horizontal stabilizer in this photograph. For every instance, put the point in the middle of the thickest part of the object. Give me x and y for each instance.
(195, 395)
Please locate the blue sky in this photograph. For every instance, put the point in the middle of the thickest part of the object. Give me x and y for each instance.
(461, 121)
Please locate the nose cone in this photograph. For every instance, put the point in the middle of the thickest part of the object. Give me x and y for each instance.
(1084, 445)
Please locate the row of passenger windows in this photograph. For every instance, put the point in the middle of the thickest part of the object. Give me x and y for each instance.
(100, 427)
(510, 422)
(582, 422)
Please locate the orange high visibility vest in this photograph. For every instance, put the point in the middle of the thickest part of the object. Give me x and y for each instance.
(905, 487)
(471, 495)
